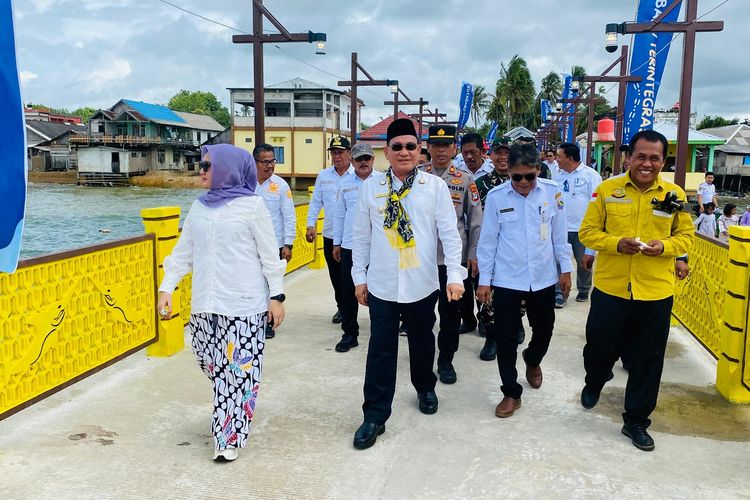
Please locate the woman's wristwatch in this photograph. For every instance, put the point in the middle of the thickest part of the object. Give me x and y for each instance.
(279, 298)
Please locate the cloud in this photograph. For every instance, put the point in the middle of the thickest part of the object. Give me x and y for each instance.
(27, 76)
(79, 44)
(99, 76)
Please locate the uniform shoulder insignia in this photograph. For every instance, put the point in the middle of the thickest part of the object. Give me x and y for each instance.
(289, 194)
(474, 192)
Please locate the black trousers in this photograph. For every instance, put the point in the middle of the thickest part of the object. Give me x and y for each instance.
(334, 270)
(382, 353)
(466, 304)
(349, 305)
(640, 326)
(540, 308)
(450, 320)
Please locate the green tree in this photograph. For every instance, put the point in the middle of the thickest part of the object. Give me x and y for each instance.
(551, 87)
(709, 121)
(480, 104)
(202, 103)
(515, 91)
(85, 113)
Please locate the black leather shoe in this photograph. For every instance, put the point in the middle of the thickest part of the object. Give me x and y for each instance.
(589, 398)
(467, 328)
(270, 333)
(521, 335)
(428, 402)
(367, 434)
(489, 351)
(446, 372)
(337, 317)
(346, 343)
(639, 436)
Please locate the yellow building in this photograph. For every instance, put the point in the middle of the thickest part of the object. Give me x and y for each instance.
(301, 119)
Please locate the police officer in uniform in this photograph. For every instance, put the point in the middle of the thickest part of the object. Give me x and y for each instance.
(441, 143)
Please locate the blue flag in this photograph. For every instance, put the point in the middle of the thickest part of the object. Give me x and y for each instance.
(467, 99)
(12, 146)
(492, 133)
(647, 60)
(563, 123)
(546, 108)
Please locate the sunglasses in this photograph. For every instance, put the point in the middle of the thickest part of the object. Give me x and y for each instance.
(397, 146)
(204, 165)
(519, 177)
(364, 158)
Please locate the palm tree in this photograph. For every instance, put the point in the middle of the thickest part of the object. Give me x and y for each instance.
(480, 103)
(515, 90)
(551, 87)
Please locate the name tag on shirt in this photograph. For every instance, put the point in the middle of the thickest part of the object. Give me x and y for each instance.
(659, 213)
(505, 210)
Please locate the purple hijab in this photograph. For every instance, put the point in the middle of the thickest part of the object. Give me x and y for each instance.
(233, 174)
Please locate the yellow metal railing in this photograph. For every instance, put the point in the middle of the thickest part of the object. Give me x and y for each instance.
(712, 303)
(699, 298)
(64, 316)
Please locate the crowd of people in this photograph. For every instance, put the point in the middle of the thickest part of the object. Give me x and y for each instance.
(484, 241)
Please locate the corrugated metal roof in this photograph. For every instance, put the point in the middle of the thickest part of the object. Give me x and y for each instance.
(155, 112)
(52, 130)
(669, 130)
(379, 130)
(200, 122)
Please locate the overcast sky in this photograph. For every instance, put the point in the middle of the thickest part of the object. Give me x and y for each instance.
(94, 52)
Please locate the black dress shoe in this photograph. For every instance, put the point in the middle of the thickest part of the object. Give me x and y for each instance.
(521, 335)
(337, 317)
(589, 398)
(270, 333)
(367, 434)
(467, 328)
(346, 343)
(639, 436)
(428, 402)
(446, 372)
(489, 351)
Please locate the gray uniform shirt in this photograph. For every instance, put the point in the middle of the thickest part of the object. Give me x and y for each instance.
(465, 198)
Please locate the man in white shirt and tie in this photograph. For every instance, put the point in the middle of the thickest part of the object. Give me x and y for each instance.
(278, 199)
(324, 197)
(363, 158)
(524, 238)
(400, 217)
(577, 183)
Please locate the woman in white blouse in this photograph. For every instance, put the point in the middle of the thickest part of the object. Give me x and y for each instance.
(228, 243)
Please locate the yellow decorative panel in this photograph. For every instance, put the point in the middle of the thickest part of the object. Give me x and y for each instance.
(64, 315)
(303, 252)
(699, 298)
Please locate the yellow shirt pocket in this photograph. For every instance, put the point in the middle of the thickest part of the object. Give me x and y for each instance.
(619, 222)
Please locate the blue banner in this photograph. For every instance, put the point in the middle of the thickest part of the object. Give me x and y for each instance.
(647, 59)
(492, 133)
(12, 146)
(563, 121)
(467, 99)
(570, 133)
(546, 109)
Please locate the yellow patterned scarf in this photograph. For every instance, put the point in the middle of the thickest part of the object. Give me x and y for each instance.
(396, 224)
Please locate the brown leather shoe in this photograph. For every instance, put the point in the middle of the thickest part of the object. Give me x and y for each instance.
(533, 373)
(507, 406)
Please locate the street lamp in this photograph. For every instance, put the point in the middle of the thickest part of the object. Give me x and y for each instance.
(258, 38)
(611, 32)
(393, 86)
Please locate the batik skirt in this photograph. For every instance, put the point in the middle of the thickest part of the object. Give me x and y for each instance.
(230, 352)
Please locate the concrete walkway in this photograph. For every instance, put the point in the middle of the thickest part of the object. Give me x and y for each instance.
(139, 429)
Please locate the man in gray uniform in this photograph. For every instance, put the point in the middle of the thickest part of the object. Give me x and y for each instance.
(441, 144)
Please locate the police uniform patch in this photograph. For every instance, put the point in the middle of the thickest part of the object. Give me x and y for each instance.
(456, 181)
(456, 196)
(273, 188)
(559, 199)
(474, 192)
(289, 194)
(618, 193)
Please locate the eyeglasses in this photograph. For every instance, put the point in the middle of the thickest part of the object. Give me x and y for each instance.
(267, 163)
(519, 177)
(364, 158)
(397, 146)
(204, 165)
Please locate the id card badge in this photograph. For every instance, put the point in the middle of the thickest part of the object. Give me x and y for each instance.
(543, 231)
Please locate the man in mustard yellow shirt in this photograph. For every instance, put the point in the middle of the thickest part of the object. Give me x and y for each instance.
(636, 223)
